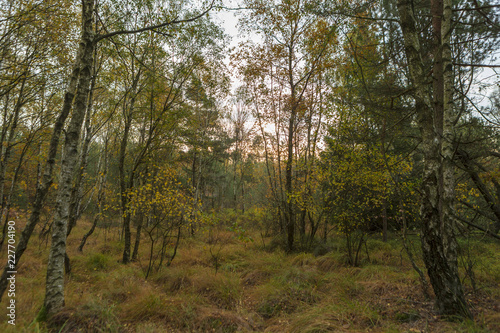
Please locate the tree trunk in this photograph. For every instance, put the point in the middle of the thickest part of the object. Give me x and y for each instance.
(46, 179)
(8, 144)
(5, 204)
(438, 243)
(121, 167)
(54, 291)
(8, 200)
(101, 196)
(289, 202)
(77, 190)
(384, 220)
(135, 254)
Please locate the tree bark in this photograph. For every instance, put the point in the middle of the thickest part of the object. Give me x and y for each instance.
(438, 241)
(8, 144)
(5, 204)
(384, 220)
(54, 291)
(289, 205)
(77, 190)
(289, 201)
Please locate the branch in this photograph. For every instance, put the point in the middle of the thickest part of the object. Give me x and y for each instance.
(479, 211)
(483, 14)
(486, 231)
(467, 9)
(494, 153)
(154, 27)
(368, 18)
(476, 65)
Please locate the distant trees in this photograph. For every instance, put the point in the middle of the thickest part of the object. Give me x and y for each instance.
(205, 141)
(283, 78)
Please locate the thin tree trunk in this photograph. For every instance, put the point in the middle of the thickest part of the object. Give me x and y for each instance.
(135, 254)
(121, 167)
(77, 190)
(289, 210)
(176, 243)
(384, 220)
(8, 143)
(101, 198)
(8, 201)
(5, 158)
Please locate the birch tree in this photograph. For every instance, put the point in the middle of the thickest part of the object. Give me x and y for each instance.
(75, 100)
(436, 120)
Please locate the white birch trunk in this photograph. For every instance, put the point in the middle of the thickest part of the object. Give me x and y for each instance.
(438, 242)
(54, 292)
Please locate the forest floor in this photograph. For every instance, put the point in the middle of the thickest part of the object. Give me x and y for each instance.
(254, 289)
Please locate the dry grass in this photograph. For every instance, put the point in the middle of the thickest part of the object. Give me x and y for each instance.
(254, 290)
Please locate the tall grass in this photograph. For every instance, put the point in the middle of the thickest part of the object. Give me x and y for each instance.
(253, 290)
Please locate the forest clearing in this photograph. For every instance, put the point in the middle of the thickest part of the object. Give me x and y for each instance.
(250, 165)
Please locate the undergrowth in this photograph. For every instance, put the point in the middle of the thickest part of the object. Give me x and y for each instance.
(253, 289)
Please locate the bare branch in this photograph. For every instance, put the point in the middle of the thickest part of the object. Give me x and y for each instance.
(476, 65)
(467, 9)
(486, 231)
(154, 27)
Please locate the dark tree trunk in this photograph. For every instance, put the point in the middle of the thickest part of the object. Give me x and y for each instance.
(289, 202)
(135, 254)
(101, 197)
(384, 220)
(121, 167)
